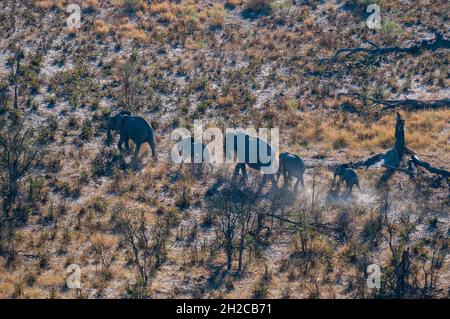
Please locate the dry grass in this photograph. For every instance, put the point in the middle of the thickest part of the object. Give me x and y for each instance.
(131, 31)
(217, 15)
(425, 130)
(198, 59)
(47, 4)
(101, 27)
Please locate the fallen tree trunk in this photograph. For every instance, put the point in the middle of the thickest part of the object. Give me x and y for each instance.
(413, 104)
(409, 104)
(425, 44)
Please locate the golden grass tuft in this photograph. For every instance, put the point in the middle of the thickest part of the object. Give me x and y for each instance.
(47, 4)
(91, 4)
(101, 27)
(103, 241)
(131, 31)
(52, 280)
(217, 15)
(233, 3)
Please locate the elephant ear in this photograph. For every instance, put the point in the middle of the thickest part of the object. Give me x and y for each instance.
(115, 122)
(120, 121)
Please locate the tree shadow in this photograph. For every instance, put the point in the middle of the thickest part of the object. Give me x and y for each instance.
(217, 277)
(255, 13)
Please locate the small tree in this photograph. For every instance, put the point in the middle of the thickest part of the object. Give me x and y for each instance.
(431, 256)
(18, 153)
(147, 245)
(14, 63)
(4, 95)
(235, 214)
(413, 270)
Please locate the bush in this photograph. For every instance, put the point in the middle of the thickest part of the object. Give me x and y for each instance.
(371, 232)
(86, 131)
(103, 163)
(255, 8)
(261, 289)
(343, 226)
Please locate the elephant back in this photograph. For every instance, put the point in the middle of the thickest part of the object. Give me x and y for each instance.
(137, 128)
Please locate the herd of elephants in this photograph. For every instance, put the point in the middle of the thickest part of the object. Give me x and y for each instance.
(290, 166)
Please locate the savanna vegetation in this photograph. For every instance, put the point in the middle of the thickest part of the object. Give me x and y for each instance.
(157, 229)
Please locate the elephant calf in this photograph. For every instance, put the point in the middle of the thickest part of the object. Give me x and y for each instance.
(291, 165)
(348, 175)
(135, 128)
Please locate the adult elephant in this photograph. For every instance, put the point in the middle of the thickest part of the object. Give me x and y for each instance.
(291, 165)
(131, 127)
(252, 152)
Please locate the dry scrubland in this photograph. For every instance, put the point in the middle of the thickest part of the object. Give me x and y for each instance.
(233, 62)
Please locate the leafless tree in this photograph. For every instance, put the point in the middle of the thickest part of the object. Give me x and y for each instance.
(235, 214)
(14, 62)
(19, 151)
(147, 244)
(413, 269)
(18, 154)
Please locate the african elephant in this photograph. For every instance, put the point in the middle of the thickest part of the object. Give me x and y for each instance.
(135, 128)
(291, 165)
(252, 152)
(348, 175)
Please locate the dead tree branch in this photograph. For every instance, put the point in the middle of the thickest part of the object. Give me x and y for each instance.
(393, 158)
(326, 227)
(429, 167)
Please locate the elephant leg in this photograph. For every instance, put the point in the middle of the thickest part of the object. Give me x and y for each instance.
(236, 171)
(244, 171)
(338, 184)
(288, 180)
(302, 180)
(264, 180)
(119, 145)
(285, 178)
(348, 188)
(127, 144)
(296, 185)
(274, 182)
(136, 152)
(151, 142)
